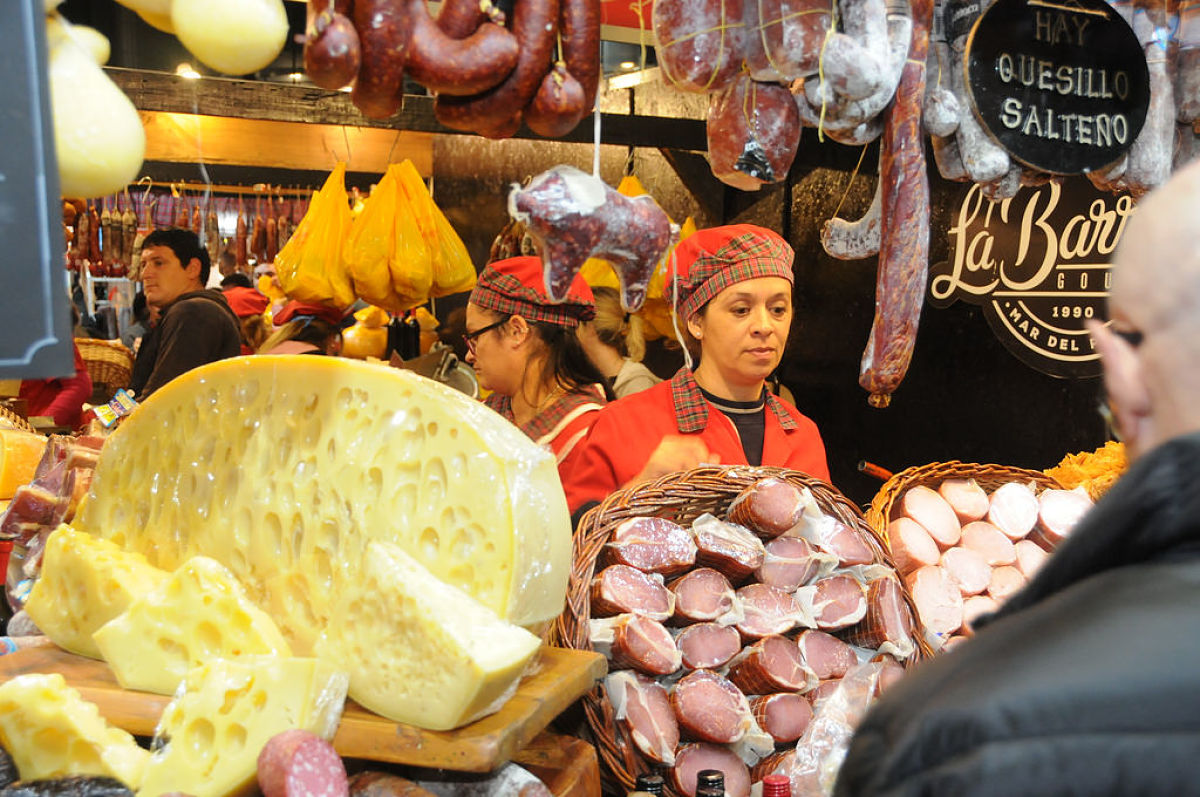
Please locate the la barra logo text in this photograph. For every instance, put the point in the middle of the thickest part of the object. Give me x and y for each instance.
(1038, 265)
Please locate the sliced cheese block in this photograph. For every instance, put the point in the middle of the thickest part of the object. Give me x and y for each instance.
(421, 651)
(20, 453)
(51, 731)
(199, 613)
(284, 467)
(85, 582)
(227, 711)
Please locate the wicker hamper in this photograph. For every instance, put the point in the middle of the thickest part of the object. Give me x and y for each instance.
(109, 363)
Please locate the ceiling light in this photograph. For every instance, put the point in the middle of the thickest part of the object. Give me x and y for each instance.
(347, 89)
(296, 77)
(185, 70)
(627, 65)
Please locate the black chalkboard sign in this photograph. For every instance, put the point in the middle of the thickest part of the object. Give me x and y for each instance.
(34, 304)
(1063, 86)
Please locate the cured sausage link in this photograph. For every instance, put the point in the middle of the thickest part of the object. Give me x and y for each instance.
(458, 19)
(579, 24)
(332, 53)
(383, 32)
(447, 65)
(904, 243)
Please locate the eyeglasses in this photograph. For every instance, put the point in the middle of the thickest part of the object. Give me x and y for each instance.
(469, 337)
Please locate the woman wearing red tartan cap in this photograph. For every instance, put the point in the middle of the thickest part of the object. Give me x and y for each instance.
(525, 350)
(305, 329)
(731, 288)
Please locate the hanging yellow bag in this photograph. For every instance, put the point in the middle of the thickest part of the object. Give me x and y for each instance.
(319, 272)
(453, 271)
(371, 246)
(412, 262)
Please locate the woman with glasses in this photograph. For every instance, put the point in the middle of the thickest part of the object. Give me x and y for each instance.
(525, 350)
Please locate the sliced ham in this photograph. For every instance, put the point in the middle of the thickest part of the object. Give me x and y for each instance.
(823, 690)
(777, 763)
(772, 664)
(925, 506)
(968, 500)
(727, 547)
(1058, 513)
(837, 601)
(643, 708)
(708, 646)
(768, 610)
(1006, 581)
(644, 645)
(826, 655)
(701, 595)
(847, 544)
(789, 562)
(912, 547)
(621, 589)
(652, 545)
(967, 569)
(990, 542)
(1030, 557)
(769, 507)
(890, 672)
(1014, 510)
(710, 708)
(939, 602)
(694, 758)
(888, 624)
(976, 606)
(784, 715)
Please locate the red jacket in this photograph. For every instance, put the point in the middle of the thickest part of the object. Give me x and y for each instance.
(60, 399)
(627, 431)
(562, 426)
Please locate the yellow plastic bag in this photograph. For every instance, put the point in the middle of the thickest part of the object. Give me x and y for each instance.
(371, 246)
(315, 270)
(412, 262)
(453, 271)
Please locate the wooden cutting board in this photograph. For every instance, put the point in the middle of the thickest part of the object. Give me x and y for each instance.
(559, 677)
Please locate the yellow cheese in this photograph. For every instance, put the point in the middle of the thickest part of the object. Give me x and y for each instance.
(419, 650)
(85, 582)
(199, 613)
(227, 711)
(50, 730)
(20, 453)
(284, 467)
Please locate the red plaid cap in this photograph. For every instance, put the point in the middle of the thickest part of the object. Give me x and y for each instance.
(710, 260)
(293, 308)
(246, 301)
(516, 287)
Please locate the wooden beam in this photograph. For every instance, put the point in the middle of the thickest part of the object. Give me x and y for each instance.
(249, 99)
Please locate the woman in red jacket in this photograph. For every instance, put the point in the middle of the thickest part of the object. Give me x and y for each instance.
(731, 288)
(525, 350)
(61, 399)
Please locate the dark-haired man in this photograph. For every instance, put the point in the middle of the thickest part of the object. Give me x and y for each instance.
(196, 326)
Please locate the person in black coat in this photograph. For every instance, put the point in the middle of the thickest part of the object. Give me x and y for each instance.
(1086, 682)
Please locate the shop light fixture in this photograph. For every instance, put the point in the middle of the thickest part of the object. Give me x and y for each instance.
(295, 77)
(185, 70)
(627, 65)
(630, 79)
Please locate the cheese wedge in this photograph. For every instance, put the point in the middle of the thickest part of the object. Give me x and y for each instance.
(226, 712)
(421, 651)
(199, 613)
(51, 731)
(85, 582)
(20, 453)
(284, 467)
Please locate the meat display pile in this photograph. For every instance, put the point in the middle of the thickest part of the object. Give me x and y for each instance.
(963, 551)
(726, 637)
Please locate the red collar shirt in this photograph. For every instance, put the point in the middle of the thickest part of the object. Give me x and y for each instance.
(562, 426)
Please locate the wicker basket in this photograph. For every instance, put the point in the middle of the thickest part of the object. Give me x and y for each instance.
(109, 363)
(989, 477)
(11, 420)
(680, 497)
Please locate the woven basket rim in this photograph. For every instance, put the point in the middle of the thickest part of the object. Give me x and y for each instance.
(685, 494)
(15, 421)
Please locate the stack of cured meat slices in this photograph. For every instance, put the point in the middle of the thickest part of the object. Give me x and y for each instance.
(730, 603)
(963, 548)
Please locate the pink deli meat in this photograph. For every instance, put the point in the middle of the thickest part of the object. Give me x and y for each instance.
(888, 624)
(784, 716)
(727, 547)
(708, 646)
(968, 500)
(890, 673)
(1006, 581)
(644, 709)
(702, 595)
(772, 664)
(693, 758)
(1014, 510)
(976, 606)
(621, 589)
(298, 763)
(767, 611)
(652, 545)
(788, 563)
(967, 569)
(710, 708)
(1030, 557)
(925, 506)
(989, 542)
(769, 507)
(1058, 512)
(826, 655)
(912, 547)
(644, 645)
(939, 602)
(839, 601)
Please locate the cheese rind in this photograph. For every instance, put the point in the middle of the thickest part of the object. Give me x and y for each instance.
(85, 582)
(226, 712)
(51, 731)
(199, 613)
(291, 464)
(421, 651)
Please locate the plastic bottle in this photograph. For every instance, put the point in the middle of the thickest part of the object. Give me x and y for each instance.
(776, 786)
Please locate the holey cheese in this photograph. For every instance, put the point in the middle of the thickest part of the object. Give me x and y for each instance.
(284, 467)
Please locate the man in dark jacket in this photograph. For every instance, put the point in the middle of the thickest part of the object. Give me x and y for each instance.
(196, 325)
(1086, 682)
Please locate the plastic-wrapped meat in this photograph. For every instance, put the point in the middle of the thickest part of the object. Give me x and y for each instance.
(932, 511)
(772, 664)
(774, 764)
(967, 569)
(693, 758)
(1030, 557)
(710, 708)
(939, 603)
(784, 715)
(1006, 582)
(888, 625)
(1014, 510)
(652, 545)
(824, 690)
(769, 507)
(912, 547)
(834, 602)
(758, 62)
(708, 646)
(643, 708)
(968, 500)
(727, 547)
(700, 42)
(989, 542)
(702, 595)
(793, 32)
(572, 216)
(826, 655)
(890, 672)
(976, 606)
(767, 611)
(630, 640)
(1058, 512)
(753, 133)
(834, 537)
(621, 589)
(790, 562)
